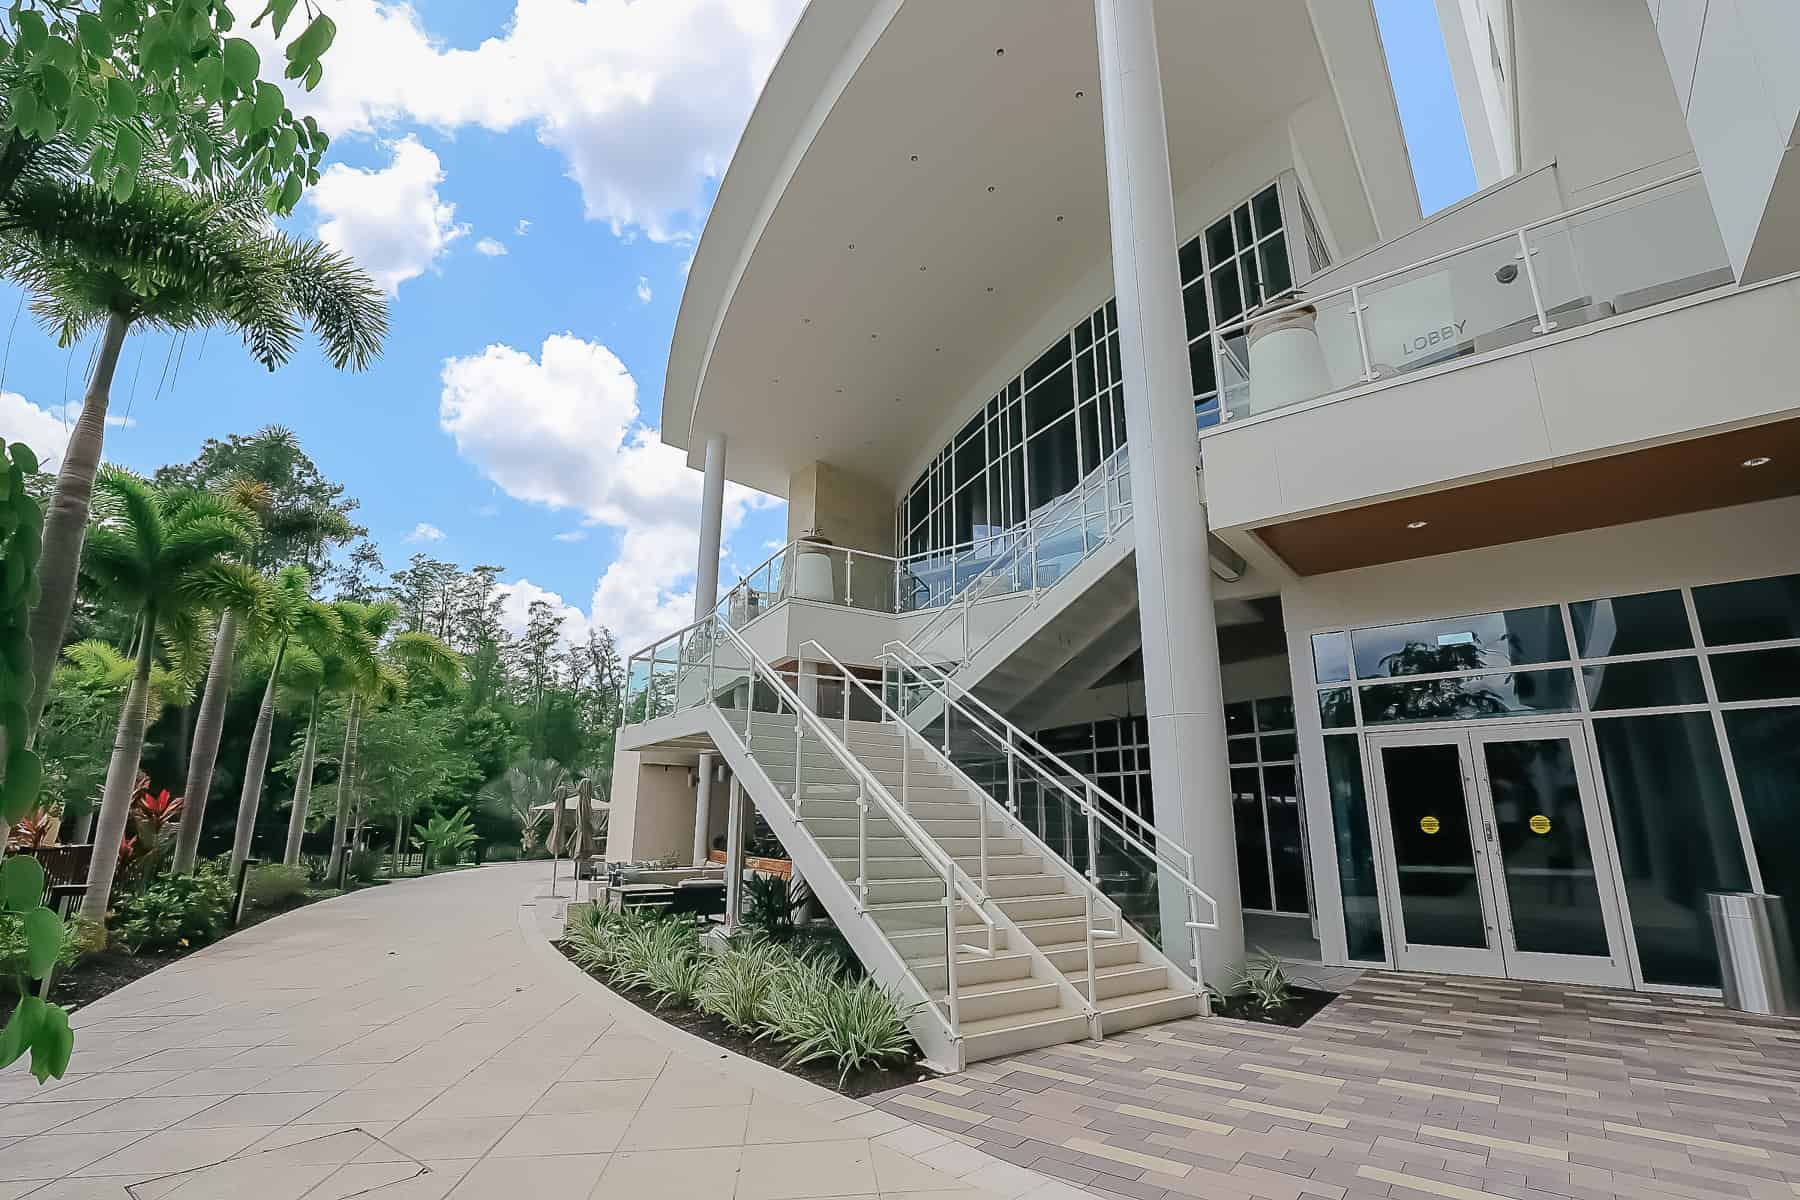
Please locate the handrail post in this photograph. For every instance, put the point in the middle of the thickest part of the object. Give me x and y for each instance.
(1088, 926)
(849, 575)
(950, 949)
(1544, 323)
(1012, 773)
(862, 846)
(1362, 332)
(981, 826)
(1194, 930)
(1093, 828)
(905, 767)
(799, 731)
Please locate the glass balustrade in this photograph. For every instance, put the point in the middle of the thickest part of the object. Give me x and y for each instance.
(1644, 247)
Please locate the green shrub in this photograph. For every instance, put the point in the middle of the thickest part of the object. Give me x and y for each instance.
(79, 937)
(180, 912)
(365, 865)
(663, 959)
(274, 885)
(854, 1025)
(505, 853)
(741, 981)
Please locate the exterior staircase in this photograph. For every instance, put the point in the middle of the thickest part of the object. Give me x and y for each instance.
(996, 942)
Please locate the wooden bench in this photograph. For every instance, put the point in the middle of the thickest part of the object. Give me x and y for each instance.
(65, 874)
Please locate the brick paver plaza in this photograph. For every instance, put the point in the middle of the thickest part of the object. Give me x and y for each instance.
(1407, 1086)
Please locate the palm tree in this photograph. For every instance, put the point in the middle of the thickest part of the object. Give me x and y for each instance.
(295, 620)
(167, 257)
(520, 791)
(294, 623)
(340, 665)
(163, 555)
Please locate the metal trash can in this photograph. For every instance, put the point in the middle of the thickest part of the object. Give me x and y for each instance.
(1756, 953)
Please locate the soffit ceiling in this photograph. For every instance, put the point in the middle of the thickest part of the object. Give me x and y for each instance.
(856, 356)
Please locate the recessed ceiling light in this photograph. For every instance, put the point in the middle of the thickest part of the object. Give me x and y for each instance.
(806, 320)
(853, 245)
(991, 189)
(1059, 220)
(1761, 460)
(915, 158)
(1417, 524)
(921, 266)
(1081, 95)
(990, 289)
(1000, 53)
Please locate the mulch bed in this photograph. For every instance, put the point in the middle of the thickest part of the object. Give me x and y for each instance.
(705, 1025)
(1303, 1005)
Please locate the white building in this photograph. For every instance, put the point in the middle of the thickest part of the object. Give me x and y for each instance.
(1464, 636)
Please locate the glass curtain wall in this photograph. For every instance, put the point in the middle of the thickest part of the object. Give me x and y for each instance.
(1040, 435)
(1261, 747)
(1692, 696)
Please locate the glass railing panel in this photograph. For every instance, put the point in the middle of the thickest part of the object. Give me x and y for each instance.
(1289, 358)
(1478, 300)
(1128, 877)
(1643, 250)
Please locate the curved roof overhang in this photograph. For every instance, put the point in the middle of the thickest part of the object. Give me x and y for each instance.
(918, 183)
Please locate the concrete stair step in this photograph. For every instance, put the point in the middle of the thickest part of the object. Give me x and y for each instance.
(999, 1036)
(1126, 979)
(1139, 1009)
(1010, 997)
(1071, 956)
(973, 969)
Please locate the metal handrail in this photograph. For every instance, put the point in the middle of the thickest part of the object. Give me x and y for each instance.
(1354, 290)
(965, 696)
(956, 882)
(1028, 537)
(825, 656)
(1009, 740)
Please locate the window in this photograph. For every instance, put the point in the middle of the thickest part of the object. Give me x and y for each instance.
(1070, 397)
(1261, 746)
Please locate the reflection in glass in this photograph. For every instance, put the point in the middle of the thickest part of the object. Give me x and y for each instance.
(1275, 715)
(1287, 848)
(1280, 747)
(1631, 625)
(1545, 855)
(1240, 717)
(1757, 610)
(1676, 835)
(1355, 850)
(1765, 745)
(1469, 698)
(1252, 846)
(1331, 657)
(1336, 710)
(1758, 674)
(1653, 683)
(1528, 635)
(1440, 890)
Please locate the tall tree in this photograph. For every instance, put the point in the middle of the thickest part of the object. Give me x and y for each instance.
(341, 665)
(293, 616)
(175, 258)
(163, 555)
(301, 515)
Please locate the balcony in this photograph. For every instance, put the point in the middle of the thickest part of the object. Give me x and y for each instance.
(1523, 370)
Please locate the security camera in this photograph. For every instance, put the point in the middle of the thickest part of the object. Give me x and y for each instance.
(1508, 273)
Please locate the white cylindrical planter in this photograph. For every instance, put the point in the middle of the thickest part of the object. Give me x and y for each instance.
(1287, 364)
(812, 574)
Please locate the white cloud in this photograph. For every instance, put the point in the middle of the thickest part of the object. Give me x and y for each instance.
(41, 429)
(523, 228)
(424, 531)
(490, 247)
(644, 101)
(643, 289)
(391, 220)
(573, 535)
(562, 430)
(515, 611)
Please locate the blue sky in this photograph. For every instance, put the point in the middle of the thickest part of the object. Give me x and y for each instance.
(528, 177)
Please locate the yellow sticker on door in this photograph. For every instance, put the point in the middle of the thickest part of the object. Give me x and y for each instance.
(1539, 823)
(1429, 824)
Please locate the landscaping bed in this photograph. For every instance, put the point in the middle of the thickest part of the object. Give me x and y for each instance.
(1301, 1006)
(803, 1008)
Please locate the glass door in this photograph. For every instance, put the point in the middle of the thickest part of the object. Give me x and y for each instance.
(1435, 875)
(1496, 864)
(1547, 858)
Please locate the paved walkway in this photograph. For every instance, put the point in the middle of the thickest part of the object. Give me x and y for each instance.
(1411, 1087)
(424, 1040)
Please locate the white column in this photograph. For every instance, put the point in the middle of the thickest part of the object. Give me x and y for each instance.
(1175, 602)
(734, 857)
(712, 521)
(706, 598)
(702, 808)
